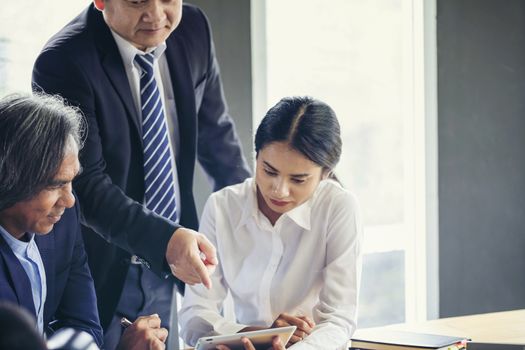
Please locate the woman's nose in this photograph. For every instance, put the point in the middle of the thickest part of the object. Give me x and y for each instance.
(280, 188)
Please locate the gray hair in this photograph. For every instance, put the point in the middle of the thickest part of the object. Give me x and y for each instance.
(35, 134)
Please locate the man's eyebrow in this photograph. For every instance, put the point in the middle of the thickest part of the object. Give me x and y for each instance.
(59, 182)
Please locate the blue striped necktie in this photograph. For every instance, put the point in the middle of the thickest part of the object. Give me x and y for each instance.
(158, 170)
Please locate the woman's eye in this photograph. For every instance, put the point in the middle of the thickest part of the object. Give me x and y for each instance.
(270, 173)
(298, 181)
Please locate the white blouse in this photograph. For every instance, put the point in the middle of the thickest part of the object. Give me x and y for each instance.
(308, 263)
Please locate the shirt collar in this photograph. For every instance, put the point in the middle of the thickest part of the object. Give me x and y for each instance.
(300, 215)
(128, 51)
(250, 209)
(16, 245)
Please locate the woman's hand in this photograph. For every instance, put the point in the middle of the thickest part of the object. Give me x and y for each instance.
(303, 323)
(276, 344)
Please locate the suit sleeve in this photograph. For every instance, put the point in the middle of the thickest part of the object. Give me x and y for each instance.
(219, 150)
(105, 207)
(78, 304)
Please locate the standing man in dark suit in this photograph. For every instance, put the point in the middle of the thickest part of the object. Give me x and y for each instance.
(121, 62)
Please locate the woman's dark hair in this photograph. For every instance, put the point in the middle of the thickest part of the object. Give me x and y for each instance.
(34, 138)
(308, 125)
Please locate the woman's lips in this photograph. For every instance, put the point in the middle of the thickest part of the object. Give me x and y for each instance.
(278, 203)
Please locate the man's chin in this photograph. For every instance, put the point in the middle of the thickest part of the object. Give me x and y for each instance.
(149, 40)
(44, 230)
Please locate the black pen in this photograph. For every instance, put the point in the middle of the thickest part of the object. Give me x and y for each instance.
(124, 322)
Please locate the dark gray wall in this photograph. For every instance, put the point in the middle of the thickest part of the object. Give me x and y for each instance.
(230, 21)
(481, 106)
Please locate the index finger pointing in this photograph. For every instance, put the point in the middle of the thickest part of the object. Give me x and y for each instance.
(208, 249)
(201, 270)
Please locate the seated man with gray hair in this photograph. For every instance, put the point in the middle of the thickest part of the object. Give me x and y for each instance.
(43, 264)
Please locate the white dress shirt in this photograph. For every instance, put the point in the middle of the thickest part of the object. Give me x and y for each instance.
(308, 263)
(163, 79)
(29, 256)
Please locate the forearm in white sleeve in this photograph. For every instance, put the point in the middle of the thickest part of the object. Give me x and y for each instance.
(200, 314)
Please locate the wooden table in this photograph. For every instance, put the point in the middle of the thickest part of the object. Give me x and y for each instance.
(496, 327)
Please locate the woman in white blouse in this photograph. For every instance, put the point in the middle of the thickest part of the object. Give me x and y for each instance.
(288, 241)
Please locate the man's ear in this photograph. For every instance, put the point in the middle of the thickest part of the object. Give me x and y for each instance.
(99, 4)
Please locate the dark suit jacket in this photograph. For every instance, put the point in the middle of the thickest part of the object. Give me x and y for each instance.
(83, 64)
(70, 300)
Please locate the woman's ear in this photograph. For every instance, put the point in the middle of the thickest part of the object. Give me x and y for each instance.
(326, 174)
(99, 4)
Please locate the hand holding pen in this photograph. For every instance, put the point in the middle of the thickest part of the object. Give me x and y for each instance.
(125, 323)
(145, 333)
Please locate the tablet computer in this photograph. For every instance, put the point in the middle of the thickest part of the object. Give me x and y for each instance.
(261, 339)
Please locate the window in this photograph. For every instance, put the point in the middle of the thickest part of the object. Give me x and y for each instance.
(25, 26)
(365, 59)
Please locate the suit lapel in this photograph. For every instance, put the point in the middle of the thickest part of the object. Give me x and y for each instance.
(114, 67)
(180, 73)
(19, 279)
